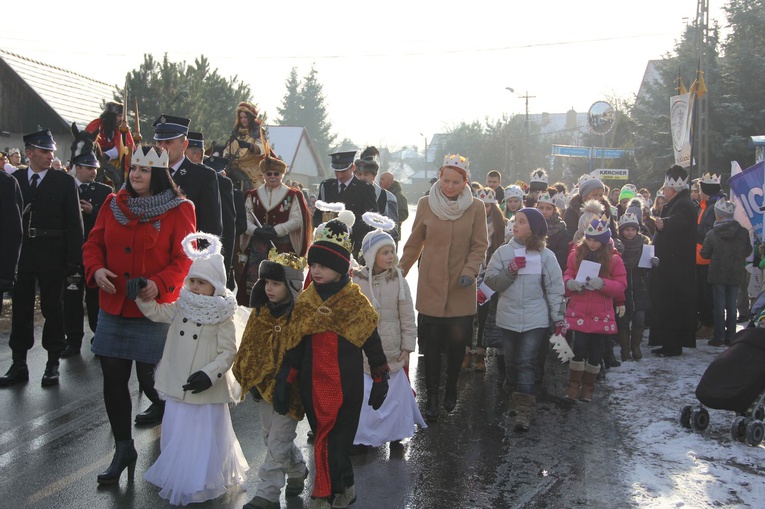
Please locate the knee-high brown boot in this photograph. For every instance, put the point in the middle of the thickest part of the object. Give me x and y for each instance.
(576, 370)
(588, 382)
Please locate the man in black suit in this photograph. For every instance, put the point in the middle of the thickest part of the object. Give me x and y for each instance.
(198, 183)
(92, 197)
(357, 195)
(195, 152)
(11, 205)
(50, 251)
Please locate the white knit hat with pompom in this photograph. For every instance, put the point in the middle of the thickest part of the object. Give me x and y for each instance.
(206, 263)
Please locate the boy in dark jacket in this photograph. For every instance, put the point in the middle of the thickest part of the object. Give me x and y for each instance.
(727, 245)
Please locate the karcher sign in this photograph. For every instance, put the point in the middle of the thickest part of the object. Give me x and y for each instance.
(611, 174)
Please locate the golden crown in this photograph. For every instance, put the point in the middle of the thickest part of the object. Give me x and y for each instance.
(323, 234)
(287, 259)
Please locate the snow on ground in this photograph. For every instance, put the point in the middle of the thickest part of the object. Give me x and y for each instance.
(672, 466)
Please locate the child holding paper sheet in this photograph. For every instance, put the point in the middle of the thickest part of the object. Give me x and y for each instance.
(630, 318)
(527, 276)
(590, 311)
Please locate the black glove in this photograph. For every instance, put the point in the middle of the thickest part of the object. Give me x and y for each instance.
(135, 285)
(6, 285)
(244, 144)
(198, 382)
(281, 400)
(267, 232)
(379, 392)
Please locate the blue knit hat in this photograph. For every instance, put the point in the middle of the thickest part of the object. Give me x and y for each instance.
(537, 221)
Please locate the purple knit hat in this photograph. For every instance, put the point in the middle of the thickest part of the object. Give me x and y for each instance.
(537, 221)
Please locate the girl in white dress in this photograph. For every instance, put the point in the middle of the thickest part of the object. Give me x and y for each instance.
(385, 287)
(201, 456)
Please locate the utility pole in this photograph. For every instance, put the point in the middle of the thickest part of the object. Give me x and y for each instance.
(700, 149)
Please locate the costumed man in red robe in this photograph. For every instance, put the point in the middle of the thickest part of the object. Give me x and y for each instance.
(277, 216)
(334, 323)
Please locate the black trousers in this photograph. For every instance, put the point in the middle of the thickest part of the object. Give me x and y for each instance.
(704, 303)
(22, 322)
(74, 314)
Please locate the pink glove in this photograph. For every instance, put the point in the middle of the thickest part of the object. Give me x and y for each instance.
(516, 263)
(481, 297)
(561, 327)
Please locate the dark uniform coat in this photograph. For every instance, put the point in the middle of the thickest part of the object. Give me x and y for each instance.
(11, 204)
(672, 285)
(228, 215)
(200, 185)
(358, 197)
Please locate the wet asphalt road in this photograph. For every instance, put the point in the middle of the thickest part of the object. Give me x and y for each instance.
(54, 441)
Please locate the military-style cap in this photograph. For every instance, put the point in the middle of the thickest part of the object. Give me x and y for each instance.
(168, 127)
(40, 139)
(85, 159)
(343, 160)
(196, 140)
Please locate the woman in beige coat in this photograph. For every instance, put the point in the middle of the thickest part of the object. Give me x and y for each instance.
(450, 233)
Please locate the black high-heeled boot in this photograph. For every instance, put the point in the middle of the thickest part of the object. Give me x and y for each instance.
(431, 407)
(453, 365)
(432, 377)
(125, 456)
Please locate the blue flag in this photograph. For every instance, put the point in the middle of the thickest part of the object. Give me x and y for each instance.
(747, 187)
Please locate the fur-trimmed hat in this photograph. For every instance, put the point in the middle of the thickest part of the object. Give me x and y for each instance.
(285, 267)
(249, 108)
(539, 180)
(332, 245)
(206, 263)
(114, 107)
(270, 163)
(369, 161)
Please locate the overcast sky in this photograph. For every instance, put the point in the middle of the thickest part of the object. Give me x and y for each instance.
(390, 70)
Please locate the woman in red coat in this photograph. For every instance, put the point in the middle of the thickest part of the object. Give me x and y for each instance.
(137, 235)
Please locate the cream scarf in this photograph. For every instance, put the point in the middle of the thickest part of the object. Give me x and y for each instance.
(446, 209)
(205, 309)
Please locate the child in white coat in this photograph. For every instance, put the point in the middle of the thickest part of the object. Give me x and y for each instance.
(200, 454)
(385, 287)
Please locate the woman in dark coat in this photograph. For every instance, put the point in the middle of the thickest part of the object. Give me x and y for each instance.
(673, 283)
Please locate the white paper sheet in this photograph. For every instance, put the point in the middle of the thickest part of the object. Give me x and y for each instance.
(533, 261)
(645, 256)
(587, 269)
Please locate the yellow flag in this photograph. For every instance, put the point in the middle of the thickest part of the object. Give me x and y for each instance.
(680, 86)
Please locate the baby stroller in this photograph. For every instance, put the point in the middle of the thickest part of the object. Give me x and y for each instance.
(735, 381)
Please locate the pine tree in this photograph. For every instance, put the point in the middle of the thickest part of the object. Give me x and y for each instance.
(289, 112)
(314, 113)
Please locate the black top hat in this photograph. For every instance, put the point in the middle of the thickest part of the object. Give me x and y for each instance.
(343, 160)
(40, 139)
(168, 127)
(196, 140)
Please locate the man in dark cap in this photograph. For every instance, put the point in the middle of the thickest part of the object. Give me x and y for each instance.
(195, 152)
(367, 167)
(672, 284)
(198, 183)
(357, 195)
(92, 196)
(50, 251)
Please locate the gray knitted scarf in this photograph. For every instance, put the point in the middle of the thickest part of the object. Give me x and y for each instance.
(147, 208)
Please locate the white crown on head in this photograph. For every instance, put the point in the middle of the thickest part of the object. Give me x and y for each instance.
(708, 178)
(676, 183)
(513, 191)
(725, 206)
(486, 195)
(628, 218)
(151, 159)
(457, 161)
(545, 198)
(539, 175)
(584, 178)
(597, 226)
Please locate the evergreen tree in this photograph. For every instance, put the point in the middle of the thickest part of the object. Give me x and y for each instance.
(289, 112)
(314, 113)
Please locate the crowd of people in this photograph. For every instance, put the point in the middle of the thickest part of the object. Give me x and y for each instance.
(164, 261)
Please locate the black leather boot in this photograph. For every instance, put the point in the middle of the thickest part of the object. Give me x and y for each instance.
(453, 365)
(431, 407)
(152, 415)
(18, 373)
(608, 353)
(450, 396)
(125, 456)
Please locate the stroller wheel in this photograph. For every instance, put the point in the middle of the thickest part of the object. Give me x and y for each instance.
(699, 419)
(738, 429)
(755, 431)
(758, 413)
(684, 417)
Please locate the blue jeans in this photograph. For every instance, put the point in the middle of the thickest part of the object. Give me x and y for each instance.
(521, 349)
(725, 303)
